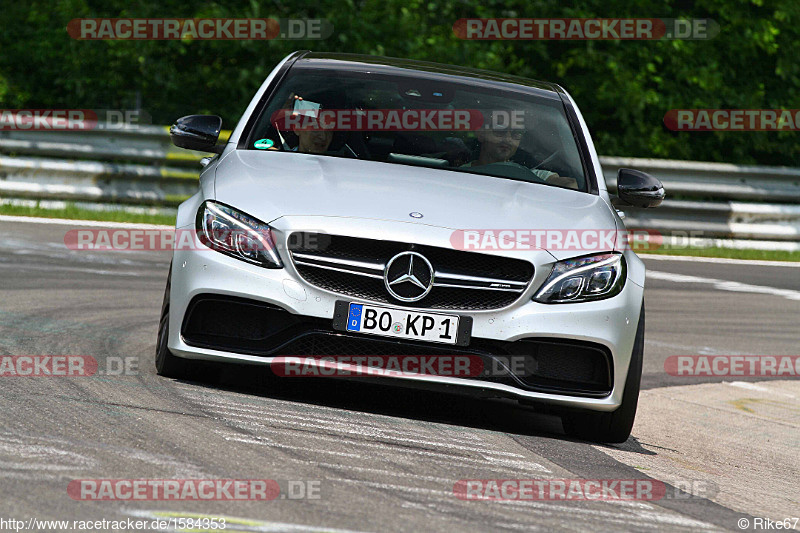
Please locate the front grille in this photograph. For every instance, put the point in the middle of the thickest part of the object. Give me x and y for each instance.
(546, 365)
(354, 267)
(255, 328)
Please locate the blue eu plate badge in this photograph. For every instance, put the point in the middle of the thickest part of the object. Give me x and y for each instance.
(354, 318)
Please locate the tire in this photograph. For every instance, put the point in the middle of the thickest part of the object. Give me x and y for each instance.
(613, 427)
(168, 364)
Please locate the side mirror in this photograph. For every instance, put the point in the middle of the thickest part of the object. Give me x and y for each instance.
(639, 189)
(197, 132)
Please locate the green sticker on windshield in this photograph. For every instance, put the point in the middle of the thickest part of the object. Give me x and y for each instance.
(263, 144)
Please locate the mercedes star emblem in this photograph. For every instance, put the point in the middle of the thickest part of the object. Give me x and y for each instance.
(408, 276)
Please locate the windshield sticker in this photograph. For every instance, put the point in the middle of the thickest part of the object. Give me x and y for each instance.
(263, 144)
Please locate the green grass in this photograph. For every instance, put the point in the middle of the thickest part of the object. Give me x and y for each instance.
(76, 213)
(728, 253)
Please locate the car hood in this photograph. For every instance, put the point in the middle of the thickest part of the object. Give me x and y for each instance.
(269, 185)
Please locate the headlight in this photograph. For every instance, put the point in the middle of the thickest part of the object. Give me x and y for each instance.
(583, 279)
(233, 233)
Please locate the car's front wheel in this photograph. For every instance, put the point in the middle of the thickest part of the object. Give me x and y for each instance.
(614, 426)
(167, 364)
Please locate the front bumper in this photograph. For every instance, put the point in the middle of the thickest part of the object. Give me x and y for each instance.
(609, 324)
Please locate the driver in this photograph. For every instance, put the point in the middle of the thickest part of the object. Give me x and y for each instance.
(310, 140)
(498, 146)
(313, 141)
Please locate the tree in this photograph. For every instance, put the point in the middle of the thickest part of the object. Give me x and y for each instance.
(623, 87)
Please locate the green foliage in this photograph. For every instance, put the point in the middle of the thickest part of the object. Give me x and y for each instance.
(623, 87)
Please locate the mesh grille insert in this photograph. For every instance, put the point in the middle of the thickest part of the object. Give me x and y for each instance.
(459, 262)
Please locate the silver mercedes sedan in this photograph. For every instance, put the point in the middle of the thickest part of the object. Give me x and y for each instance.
(421, 224)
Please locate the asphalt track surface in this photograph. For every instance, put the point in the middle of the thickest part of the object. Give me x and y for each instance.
(384, 458)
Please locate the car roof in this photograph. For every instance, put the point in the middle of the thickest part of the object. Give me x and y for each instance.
(389, 65)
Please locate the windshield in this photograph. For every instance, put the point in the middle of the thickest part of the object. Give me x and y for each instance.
(457, 125)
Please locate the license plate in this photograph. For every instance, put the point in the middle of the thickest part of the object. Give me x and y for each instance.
(402, 324)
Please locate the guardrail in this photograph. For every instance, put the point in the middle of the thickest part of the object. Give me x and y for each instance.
(122, 166)
(718, 200)
(139, 166)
